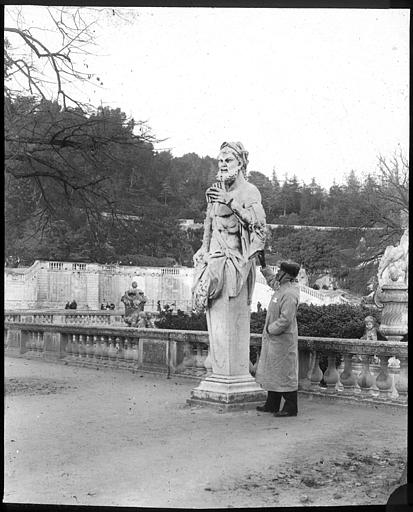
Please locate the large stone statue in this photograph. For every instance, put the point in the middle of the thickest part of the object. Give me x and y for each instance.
(234, 230)
(393, 266)
(392, 291)
(134, 300)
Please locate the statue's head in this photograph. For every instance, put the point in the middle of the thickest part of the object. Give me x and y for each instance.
(232, 159)
(369, 322)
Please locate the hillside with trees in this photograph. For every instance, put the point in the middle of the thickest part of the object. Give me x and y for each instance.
(86, 183)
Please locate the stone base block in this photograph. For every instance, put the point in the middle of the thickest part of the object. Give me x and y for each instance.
(228, 393)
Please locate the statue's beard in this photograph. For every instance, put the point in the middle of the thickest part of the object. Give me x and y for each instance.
(227, 178)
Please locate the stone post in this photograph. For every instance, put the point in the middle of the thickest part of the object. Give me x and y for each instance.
(394, 298)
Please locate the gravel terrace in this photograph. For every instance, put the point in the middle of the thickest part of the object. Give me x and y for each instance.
(77, 436)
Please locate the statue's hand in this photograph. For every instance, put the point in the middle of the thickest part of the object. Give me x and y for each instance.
(199, 257)
(217, 195)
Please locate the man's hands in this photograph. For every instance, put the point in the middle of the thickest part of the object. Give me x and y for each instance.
(261, 258)
(217, 195)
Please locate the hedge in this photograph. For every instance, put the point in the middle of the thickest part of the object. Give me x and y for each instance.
(332, 321)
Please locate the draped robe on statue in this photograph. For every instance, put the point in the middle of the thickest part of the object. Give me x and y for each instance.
(225, 282)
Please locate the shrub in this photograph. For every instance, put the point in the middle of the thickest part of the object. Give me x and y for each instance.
(182, 321)
(258, 321)
(332, 321)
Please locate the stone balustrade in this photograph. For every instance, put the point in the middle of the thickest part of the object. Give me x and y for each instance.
(66, 316)
(184, 353)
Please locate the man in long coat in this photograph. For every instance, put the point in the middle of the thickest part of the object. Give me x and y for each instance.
(277, 370)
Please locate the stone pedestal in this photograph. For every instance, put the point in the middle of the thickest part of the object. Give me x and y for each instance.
(228, 392)
(230, 385)
(394, 298)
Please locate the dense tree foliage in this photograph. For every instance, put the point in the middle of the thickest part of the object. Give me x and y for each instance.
(86, 183)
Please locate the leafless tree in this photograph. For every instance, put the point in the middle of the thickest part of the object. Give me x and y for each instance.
(62, 147)
(387, 200)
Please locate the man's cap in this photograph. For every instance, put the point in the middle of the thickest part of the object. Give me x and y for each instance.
(290, 267)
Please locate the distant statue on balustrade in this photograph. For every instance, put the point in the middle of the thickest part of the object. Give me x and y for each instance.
(134, 300)
(372, 332)
(393, 266)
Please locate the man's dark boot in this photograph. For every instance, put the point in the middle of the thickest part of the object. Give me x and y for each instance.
(272, 404)
(290, 405)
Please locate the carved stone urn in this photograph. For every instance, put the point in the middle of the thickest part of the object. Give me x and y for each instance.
(394, 297)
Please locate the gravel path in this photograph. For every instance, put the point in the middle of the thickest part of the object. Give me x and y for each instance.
(80, 436)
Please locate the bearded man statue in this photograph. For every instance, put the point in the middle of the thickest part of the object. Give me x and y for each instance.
(234, 231)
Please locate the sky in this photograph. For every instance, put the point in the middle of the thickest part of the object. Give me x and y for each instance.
(311, 92)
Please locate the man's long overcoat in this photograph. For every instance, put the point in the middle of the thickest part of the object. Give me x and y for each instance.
(278, 365)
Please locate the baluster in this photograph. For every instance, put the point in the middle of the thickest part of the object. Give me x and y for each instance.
(199, 360)
(204, 355)
(36, 343)
(310, 365)
(340, 369)
(128, 353)
(96, 349)
(41, 335)
(118, 346)
(111, 351)
(124, 358)
(384, 380)
(252, 367)
(135, 352)
(401, 384)
(331, 375)
(357, 367)
(104, 350)
(68, 348)
(81, 347)
(33, 344)
(394, 368)
(375, 370)
(88, 349)
(348, 377)
(208, 363)
(365, 379)
(75, 347)
(316, 373)
(29, 343)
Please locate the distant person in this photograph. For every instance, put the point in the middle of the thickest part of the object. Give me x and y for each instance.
(277, 369)
(107, 305)
(158, 306)
(73, 304)
(102, 306)
(141, 319)
(112, 306)
(150, 321)
(259, 307)
(67, 305)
